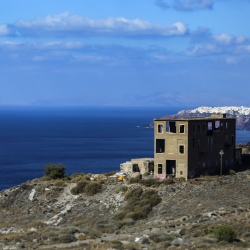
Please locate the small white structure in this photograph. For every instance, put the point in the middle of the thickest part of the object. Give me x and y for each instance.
(140, 165)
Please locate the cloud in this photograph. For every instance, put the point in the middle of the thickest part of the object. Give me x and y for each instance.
(4, 30)
(222, 44)
(186, 5)
(189, 5)
(77, 26)
(161, 4)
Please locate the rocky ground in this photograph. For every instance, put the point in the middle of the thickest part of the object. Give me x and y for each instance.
(43, 214)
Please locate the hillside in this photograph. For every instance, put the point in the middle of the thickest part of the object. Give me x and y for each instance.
(242, 114)
(151, 214)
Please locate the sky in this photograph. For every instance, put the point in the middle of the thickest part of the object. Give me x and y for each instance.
(125, 52)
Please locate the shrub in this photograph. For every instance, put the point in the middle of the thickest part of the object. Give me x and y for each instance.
(146, 174)
(54, 171)
(93, 188)
(161, 237)
(149, 182)
(139, 205)
(133, 180)
(119, 215)
(225, 233)
(121, 189)
(25, 186)
(66, 238)
(232, 172)
(134, 193)
(116, 244)
(80, 188)
(167, 181)
(59, 183)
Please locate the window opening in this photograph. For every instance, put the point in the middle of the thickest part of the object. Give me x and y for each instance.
(160, 145)
(181, 149)
(198, 128)
(159, 168)
(136, 168)
(170, 167)
(204, 128)
(167, 126)
(221, 127)
(194, 128)
(181, 172)
(226, 126)
(210, 128)
(182, 129)
(217, 125)
(226, 140)
(160, 128)
(232, 140)
(172, 127)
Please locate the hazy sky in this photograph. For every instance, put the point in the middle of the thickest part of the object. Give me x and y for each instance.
(125, 52)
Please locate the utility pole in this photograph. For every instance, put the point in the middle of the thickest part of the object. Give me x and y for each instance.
(221, 153)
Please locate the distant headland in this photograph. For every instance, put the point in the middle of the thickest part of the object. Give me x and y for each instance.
(241, 113)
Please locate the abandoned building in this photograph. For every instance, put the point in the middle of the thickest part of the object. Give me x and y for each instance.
(189, 147)
(140, 165)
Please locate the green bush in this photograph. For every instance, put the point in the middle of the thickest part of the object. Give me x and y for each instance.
(54, 171)
(225, 233)
(133, 180)
(167, 181)
(80, 188)
(161, 237)
(59, 183)
(116, 244)
(66, 238)
(134, 193)
(93, 188)
(122, 188)
(139, 205)
(149, 182)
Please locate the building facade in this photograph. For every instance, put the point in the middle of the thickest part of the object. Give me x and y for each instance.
(189, 147)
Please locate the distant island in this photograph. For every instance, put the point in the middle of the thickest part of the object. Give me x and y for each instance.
(242, 114)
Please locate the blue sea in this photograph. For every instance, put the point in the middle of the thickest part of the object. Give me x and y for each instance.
(84, 139)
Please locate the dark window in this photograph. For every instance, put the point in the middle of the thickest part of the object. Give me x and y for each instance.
(181, 172)
(232, 140)
(226, 140)
(198, 128)
(136, 168)
(210, 128)
(160, 128)
(182, 129)
(204, 128)
(194, 128)
(159, 168)
(222, 127)
(172, 127)
(181, 149)
(226, 126)
(160, 145)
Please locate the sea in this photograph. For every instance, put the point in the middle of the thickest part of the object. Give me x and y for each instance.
(84, 139)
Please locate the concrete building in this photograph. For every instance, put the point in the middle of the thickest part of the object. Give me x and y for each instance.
(140, 165)
(189, 147)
